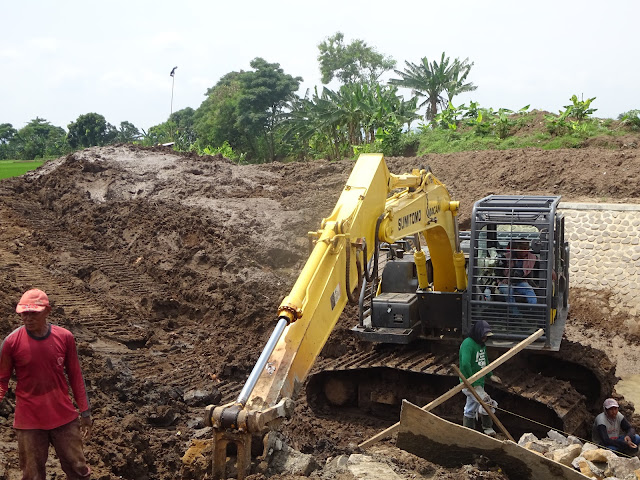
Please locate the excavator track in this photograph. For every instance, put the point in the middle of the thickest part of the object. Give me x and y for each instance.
(374, 383)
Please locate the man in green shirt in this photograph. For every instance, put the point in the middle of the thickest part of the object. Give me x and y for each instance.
(473, 358)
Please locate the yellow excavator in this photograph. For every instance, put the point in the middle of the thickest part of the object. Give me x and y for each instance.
(424, 293)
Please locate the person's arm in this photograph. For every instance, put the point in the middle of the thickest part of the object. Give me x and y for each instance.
(76, 380)
(606, 441)
(627, 428)
(465, 359)
(6, 368)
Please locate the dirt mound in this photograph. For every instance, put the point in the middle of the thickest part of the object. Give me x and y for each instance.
(169, 268)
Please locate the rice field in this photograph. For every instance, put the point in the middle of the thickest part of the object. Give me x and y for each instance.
(15, 168)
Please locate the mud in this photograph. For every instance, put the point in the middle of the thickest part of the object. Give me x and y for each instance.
(169, 268)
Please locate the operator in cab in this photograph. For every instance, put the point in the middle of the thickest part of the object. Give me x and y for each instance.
(473, 358)
(613, 431)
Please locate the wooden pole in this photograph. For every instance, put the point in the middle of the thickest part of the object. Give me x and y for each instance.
(486, 407)
(446, 396)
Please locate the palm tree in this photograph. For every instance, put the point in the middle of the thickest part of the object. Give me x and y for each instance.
(431, 79)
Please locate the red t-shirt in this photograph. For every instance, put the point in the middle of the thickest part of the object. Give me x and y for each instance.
(42, 392)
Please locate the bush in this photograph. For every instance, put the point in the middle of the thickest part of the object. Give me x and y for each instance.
(631, 119)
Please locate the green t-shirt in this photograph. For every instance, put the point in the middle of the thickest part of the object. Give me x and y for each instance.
(473, 358)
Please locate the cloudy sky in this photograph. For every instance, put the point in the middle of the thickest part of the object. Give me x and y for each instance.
(61, 59)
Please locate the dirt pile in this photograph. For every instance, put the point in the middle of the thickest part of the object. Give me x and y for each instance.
(169, 268)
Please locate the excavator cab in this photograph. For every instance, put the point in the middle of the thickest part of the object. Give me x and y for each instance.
(518, 265)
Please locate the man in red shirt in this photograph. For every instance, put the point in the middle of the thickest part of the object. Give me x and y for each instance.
(40, 354)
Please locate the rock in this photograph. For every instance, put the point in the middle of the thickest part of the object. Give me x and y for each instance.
(589, 446)
(622, 467)
(289, 461)
(202, 398)
(598, 455)
(335, 466)
(557, 437)
(567, 454)
(541, 446)
(590, 469)
(203, 432)
(527, 438)
(573, 440)
(162, 416)
(364, 467)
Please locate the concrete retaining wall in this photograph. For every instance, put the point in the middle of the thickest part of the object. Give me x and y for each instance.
(605, 250)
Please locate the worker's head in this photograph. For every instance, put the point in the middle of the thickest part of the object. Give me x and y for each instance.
(34, 308)
(611, 407)
(481, 331)
(521, 247)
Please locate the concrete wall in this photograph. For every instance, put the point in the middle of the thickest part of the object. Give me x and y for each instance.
(605, 250)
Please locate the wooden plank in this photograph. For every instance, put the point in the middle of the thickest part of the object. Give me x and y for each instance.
(428, 436)
(446, 396)
(481, 402)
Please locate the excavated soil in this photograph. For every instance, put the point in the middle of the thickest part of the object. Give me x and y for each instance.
(169, 268)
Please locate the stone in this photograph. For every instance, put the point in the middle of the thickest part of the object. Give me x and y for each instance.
(557, 437)
(622, 467)
(590, 469)
(567, 454)
(202, 398)
(572, 439)
(363, 467)
(598, 455)
(292, 462)
(527, 438)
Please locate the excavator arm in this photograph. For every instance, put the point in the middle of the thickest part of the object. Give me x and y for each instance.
(372, 202)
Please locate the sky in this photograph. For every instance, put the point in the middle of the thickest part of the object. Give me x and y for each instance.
(59, 60)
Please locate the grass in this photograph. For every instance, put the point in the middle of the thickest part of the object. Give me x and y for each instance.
(464, 139)
(15, 168)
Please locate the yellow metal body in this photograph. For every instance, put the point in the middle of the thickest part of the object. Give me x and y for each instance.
(411, 203)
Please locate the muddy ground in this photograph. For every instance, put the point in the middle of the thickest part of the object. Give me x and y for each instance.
(169, 268)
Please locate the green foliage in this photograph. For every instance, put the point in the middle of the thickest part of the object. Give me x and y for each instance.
(449, 118)
(432, 79)
(225, 150)
(332, 124)
(262, 103)
(7, 133)
(39, 139)
(630, 119)
(14, 168)
(353, 63)
(571, 119)
(183, 133)
(158, 134)
(580, 109)
(90, 130)
(216, 120)
(128, 133)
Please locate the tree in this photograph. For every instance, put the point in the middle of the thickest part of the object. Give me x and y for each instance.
(89, 130)
(39, 139)
(216, 119)
(127, 133)
(353, 63)
(7, 133)
(182, 122)
(263, 99)
(332, 124)
(430, 80)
